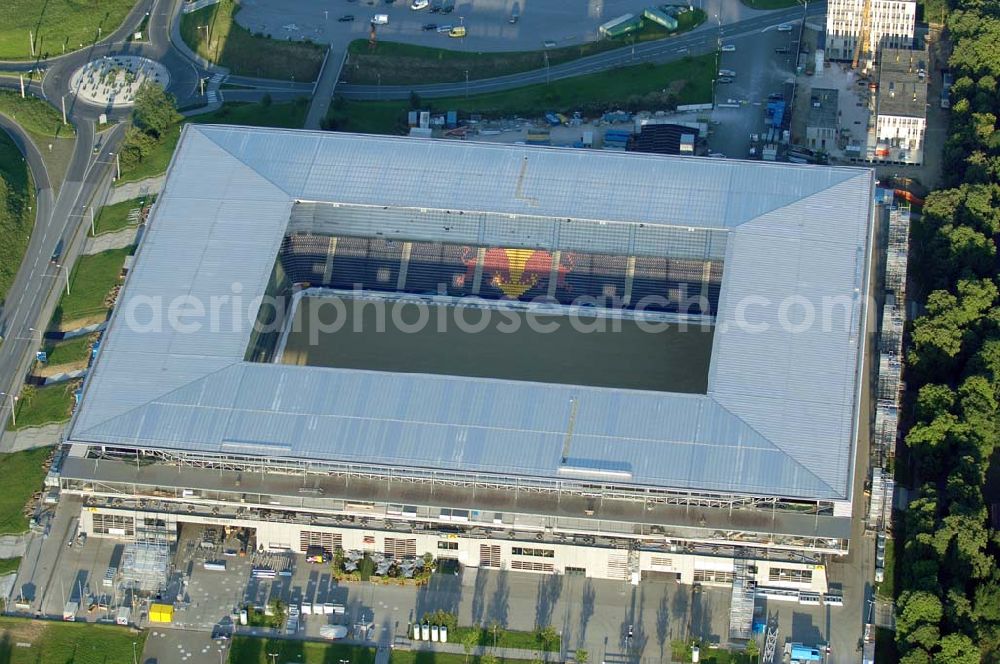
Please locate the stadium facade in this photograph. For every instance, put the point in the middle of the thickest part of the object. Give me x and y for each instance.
(190, 415)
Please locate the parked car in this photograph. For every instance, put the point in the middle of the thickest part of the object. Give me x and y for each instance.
(785, 27)
(445, 28)
(728, 48)
(346, 18)
(457, 32)
(430, 26)
(380, 19)
(725, 79)
(419, 4)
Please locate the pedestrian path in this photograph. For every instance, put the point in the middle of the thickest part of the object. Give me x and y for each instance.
(325, 87)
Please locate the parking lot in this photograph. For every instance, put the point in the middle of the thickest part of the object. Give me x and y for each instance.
(761, 70)
(487, 21)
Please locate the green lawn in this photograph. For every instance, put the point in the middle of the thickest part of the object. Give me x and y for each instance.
(250, 650)
(770, 4)
(215, 36)
(408, 64)
(66, 643)
(9, 565)
(506, 638)
(690, 81)
(115, 217)
(69, 351)
(38, 406)
(887, 588)
(286, 114)
(92, 279)
(290, 114)
(17, 216)
(56, 24)
(23, 475)
(36, 116)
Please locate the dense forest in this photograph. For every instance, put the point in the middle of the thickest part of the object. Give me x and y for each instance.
(948, 609)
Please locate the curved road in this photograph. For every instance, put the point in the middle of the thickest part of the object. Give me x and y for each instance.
(700, 41)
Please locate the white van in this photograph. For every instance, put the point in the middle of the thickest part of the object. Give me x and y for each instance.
(380, 19)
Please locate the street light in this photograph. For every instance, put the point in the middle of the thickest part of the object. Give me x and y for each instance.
(134, 660)
(13, 407)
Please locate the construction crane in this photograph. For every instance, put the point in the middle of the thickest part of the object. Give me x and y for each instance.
(864, 34)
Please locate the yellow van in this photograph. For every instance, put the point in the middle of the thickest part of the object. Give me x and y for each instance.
(458, 31)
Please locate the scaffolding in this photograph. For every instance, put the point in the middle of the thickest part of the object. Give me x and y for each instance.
(890, 370)
(898, 250)
(144, 566)
(741, 607)
(883, 493)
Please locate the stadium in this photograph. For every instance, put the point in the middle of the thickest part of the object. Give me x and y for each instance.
(545, 360)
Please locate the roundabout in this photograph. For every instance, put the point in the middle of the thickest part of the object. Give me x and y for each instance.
(114, 80)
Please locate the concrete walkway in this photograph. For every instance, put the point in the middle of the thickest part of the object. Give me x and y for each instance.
(13, 546)
(116, 240)
(131, 190)
(26, 439)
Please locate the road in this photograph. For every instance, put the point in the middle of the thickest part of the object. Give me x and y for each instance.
(698, 42)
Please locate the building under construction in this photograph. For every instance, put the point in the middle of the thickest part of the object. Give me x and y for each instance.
(857, 30)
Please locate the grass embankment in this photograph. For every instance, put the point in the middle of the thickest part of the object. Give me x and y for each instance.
(689, 80)
(74, 351)
(394, 63)
(887, 588)
(17, 216)
(250, 650)
(286, 114)
(56, 25)
(9, 566)
(115, 217)
(39, 406)
(62, 643)
(23, 473)
(215, 35)
(90, 284)
(36, 116)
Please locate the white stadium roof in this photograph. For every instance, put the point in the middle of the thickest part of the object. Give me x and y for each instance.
(781, 410)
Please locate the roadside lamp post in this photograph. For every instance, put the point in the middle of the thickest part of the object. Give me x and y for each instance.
(13, 407)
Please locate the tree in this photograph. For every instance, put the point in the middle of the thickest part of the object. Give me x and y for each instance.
(469, 641)
(547, 636)
(581, 656)
(958, 649)
(154, 111)
(917, 608)
(489, 658)
(753, 650)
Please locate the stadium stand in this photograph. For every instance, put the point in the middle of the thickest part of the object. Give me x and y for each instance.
(653, 283)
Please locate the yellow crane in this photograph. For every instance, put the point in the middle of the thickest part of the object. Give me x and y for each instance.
(864, 34)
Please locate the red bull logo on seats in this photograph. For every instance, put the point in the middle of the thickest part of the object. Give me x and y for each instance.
(515, 272)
